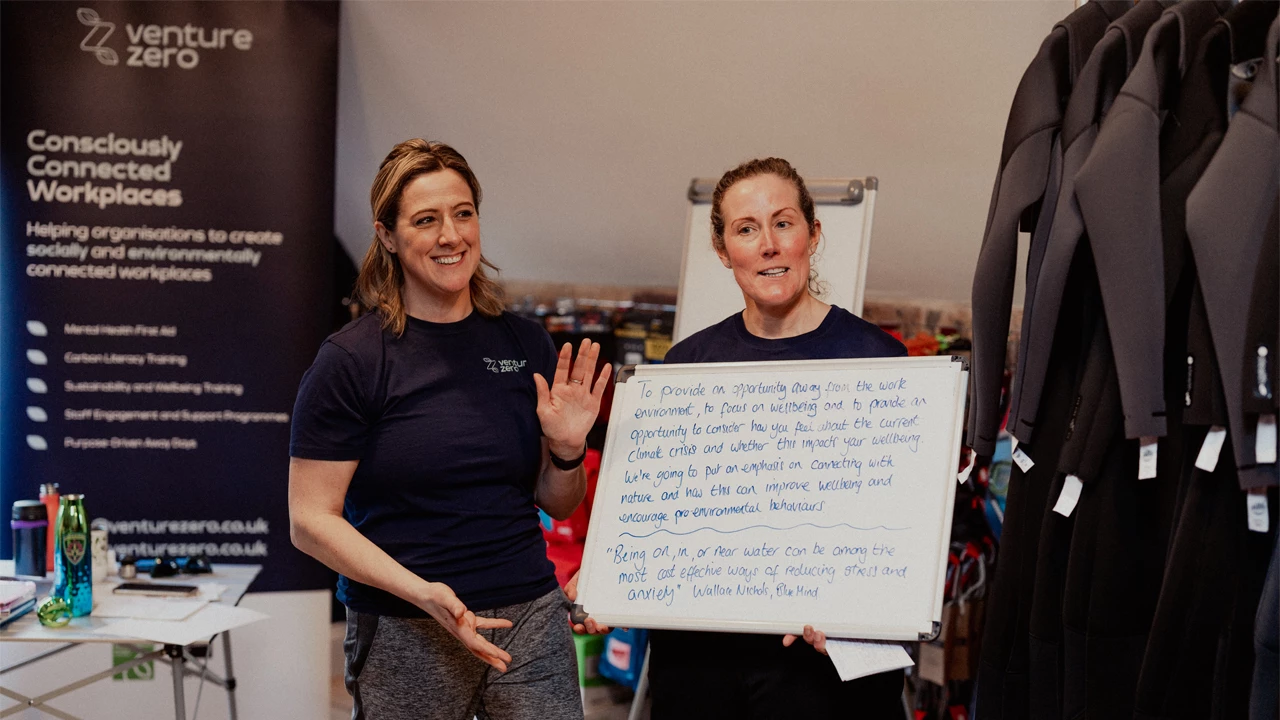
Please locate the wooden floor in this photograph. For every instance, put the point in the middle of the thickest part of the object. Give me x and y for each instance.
(339, 700)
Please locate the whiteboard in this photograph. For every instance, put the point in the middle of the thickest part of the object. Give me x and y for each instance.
(708, 292)
(761, 497)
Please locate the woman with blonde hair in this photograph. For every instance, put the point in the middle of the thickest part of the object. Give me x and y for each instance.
(423, 435)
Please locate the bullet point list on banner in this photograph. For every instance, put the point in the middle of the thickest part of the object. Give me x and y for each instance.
(170, 270)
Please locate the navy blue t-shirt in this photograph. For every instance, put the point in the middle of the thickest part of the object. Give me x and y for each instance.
(840, 335)
(443, 421)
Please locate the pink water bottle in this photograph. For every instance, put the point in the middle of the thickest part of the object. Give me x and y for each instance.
(49, 498)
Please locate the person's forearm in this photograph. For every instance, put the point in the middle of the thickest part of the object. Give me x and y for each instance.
(336, 543)
(561, 491)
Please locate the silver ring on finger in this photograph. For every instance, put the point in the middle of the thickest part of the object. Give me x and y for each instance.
(576, 381)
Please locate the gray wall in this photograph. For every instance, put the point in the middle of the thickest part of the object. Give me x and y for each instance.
(586, 120)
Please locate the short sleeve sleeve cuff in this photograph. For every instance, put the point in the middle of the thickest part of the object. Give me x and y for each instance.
(330, 418)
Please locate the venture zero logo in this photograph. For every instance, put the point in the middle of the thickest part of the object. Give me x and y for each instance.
(105, 55)
(159, 46)
(504, 366)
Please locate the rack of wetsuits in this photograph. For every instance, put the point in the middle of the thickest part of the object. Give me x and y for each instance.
(1137, 570)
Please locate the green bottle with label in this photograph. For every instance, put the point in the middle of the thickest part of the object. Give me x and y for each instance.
(73, 563)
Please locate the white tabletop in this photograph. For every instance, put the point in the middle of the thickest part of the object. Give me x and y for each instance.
(236, 579)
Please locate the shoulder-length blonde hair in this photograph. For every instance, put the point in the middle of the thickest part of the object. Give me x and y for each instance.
(381, 281)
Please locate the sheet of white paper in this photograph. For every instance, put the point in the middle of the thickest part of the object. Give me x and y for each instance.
(145, 608)
(212, 591)
(201, 626)
(16, 592)
(858, 658)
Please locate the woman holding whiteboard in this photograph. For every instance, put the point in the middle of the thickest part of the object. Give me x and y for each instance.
(423, 435)
(764, 230)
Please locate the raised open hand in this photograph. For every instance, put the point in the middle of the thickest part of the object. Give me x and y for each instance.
(568, 408)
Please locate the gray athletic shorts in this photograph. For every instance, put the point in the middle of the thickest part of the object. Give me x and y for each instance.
(400, 668)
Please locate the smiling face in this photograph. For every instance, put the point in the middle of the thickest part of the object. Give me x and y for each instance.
(767, 242)
(437, 240)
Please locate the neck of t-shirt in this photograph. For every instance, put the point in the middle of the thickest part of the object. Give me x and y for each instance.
(805, 316)
(439, 308)
(777, 344)
(419, 325)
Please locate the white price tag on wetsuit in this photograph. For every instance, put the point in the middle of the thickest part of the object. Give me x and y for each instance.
(1265, 449)
(1207, 460)
(964, 474)
(1259, 518)
(1147, 457)
(1069, 497)
(1023, 460)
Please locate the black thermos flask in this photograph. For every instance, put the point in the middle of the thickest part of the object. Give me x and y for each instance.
(30, 525)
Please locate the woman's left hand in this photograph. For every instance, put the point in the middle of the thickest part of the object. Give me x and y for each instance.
(816, 638)
(568, 409)
(588, 626)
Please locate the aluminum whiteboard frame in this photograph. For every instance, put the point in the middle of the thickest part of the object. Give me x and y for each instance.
(910, 630)
(825, 191)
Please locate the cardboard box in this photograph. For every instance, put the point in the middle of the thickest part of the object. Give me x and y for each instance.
(955, 654)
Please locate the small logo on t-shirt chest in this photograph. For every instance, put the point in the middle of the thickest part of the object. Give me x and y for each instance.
(504, 366)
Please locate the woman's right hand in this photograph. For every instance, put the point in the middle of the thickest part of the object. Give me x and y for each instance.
(590, 626)
(440, 602)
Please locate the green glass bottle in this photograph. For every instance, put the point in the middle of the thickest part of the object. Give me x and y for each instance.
(73, 563)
